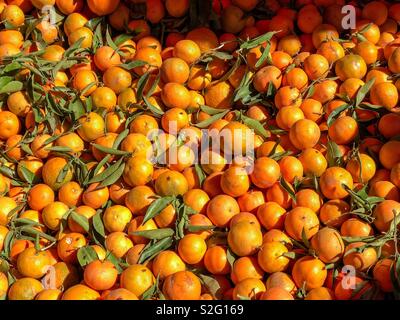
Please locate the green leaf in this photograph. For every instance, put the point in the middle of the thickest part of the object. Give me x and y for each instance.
(256, 126)
(61, 149)
(32, 231)
(63, 173)
(110, 150)
(207, 122)
(133, 64)
(27, 175)
(11, 87)
(120, 39)
(150, 292)
(107, 173)
(5, 80)
(363, 91)
(25, 147)
(141, 85)
(287, 188)
(155, 234)
(98, 223)
(310, 91)
(120, 138)
(231, 257)
(200, 174)
(154, 248)
(13, 66)
(211, 111)
(86, 255)
(98, 37)
(279, 155)
(7, 172)
(156, 207)
(77, 108)
(81, 220)
(114, 177)
(333, 154)
(109, 40)
(366, 28)
(115, 261)
(153, 85)
(8, 242)
(29, 222)
(37, 242)
(243, 90)
(304, 238)
(257, 41)
(264, 55)
(335, 113)
(92, 23)
(87, 88)
(154, 110)
(212, 285)
(192, 228)
(290, 255)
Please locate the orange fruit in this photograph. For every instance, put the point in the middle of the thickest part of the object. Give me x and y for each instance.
(316, 66)
(304, 134)
(95, 196)
(276, 294)
(332, 180)
(167, 263)
(192, 248)
(355, 227)
(174, 70)
(309, 272)
(320, 293)
(384, 94)
(381, 273)
(182, 285)
(68, 246)
(235, 181)
(246, 267)
(102, 8)
(100, 275)
(138, 171)
(249, 288)
(80, 292)
(118, 243)
(271, 257)
(266, 77)
(24, 289)
(360, 260)
(32, 263)
(328, 245)
(136, 224)
(9, 124)
(362, 170)
(384, 214)
(388, 154)
(350, 66)
(117, 79)
(244, 238)
(171, 183)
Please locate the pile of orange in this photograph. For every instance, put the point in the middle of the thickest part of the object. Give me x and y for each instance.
(98, 97)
